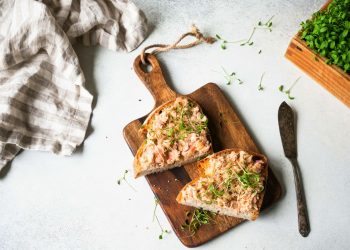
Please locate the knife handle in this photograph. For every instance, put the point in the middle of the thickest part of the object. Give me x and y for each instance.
(303, 219)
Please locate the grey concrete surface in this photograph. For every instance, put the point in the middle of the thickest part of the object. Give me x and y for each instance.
(52, 202)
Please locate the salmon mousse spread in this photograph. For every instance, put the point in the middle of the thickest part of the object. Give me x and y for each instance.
(232, 183)
(175, 134)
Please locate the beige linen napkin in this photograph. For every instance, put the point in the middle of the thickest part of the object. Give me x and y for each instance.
(43, 102)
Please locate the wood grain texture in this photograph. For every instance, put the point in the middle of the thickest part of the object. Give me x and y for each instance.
(331, 77)
(227, 131)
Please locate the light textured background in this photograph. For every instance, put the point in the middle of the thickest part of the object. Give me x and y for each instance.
(51, 202)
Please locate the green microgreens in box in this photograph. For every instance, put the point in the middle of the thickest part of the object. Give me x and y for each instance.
(328, 33)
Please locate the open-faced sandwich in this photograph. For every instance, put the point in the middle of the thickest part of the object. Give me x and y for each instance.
(176, 134)
(231, 183)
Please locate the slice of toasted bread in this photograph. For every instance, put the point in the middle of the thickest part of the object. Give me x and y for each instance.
(176, 134)
(231, 182)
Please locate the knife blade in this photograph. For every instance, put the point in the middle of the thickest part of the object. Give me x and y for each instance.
(287, 131)
(288, 137)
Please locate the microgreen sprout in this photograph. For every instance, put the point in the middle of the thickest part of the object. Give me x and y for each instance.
(215, 191)
(156, 202)
(248, 178)
(261, 25)
(163, 231)
(231, 77)
(248, 41)
(260, 87)
(155, 217)
(228, 181)
(123, 178)
(288, 91)
(224, 42)
(267, 25)
(199, 217)
(183, 125)
(200, 158)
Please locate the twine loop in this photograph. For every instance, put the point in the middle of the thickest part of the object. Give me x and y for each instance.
(195, 32)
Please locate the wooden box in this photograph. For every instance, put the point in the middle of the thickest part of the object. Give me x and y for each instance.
(331, 77)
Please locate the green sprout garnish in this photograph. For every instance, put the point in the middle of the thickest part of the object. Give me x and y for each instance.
(267, 25)
(155, 217)
(183, 125)
(228, 181)
(200, 158)
(170, 132)
(224, 42)
(199, 217)
(260, 87)
(230, 77)
(215, 191)
(288, 91)
(123, 178)
(280, 88)
(248, 179)
(248, 41)
(261, 25)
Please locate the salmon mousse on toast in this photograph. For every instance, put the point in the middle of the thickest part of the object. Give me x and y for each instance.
(176, 134)
(232, 182)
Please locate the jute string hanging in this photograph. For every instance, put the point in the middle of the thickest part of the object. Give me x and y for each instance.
(166, 47)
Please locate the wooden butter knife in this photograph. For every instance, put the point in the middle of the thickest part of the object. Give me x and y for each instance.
(288, 136)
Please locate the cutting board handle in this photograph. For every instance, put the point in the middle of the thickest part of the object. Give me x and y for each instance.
(154, 79)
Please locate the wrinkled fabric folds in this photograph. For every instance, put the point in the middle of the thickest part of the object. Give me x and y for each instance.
(43, 102)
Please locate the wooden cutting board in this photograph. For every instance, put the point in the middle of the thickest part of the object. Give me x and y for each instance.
(227, 131)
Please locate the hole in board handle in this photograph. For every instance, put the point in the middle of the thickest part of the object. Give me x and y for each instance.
(147, 68)
(298, 48)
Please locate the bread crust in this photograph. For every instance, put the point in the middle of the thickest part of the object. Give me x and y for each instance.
(203, 164)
